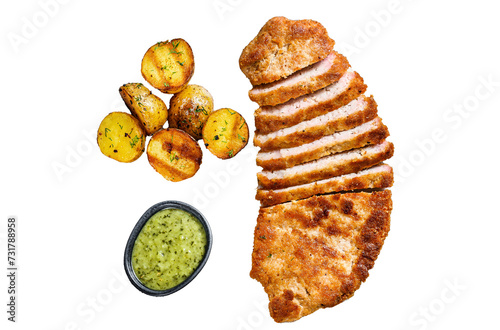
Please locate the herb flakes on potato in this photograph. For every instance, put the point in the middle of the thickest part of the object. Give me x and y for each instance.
(145, 106)
(169, 65)
(174, 154)
(225, 133)
(121, 137)
(189, 110)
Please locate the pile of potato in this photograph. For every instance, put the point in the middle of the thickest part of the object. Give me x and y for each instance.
(174, 151)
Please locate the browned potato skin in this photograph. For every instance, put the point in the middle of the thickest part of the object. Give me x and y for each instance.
(225, 133)
(189, 110)
(174, 154)
(145, 106)
(121, 137)
(169, 65)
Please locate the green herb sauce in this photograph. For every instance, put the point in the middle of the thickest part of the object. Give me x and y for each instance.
(168, 249)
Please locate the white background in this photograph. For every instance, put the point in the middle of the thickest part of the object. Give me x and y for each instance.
(423, 62)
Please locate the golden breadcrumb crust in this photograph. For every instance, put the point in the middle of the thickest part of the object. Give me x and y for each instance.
(315, 253)
(282, 47)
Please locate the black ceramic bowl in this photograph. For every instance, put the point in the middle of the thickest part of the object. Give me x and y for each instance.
(137, 229)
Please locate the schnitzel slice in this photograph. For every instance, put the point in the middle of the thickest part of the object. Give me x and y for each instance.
(376, 177)
(316, 252)
(302, 82)
(337, 164)
(369, 133)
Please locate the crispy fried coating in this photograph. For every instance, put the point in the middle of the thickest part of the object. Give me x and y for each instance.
(316, 252)
(282, 47)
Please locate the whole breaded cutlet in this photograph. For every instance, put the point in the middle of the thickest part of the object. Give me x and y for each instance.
(316, 252)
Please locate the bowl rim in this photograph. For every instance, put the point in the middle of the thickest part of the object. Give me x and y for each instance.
(127, 260)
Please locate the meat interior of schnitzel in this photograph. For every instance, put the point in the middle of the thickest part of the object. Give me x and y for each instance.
(376, 177)
(338, 164)
(332, 97)
(370, 133)
(349, 116)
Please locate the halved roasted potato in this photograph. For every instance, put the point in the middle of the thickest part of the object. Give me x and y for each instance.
(168, 65)
(148, 108)
(189, 110)
(121, 137)
(225, 133)
(174, 154)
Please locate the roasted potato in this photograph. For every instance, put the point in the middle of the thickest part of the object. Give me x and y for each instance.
(225, 133)
(168, 65)
(189, 110)
(148, 108)
(121, 137)
(174, 154)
